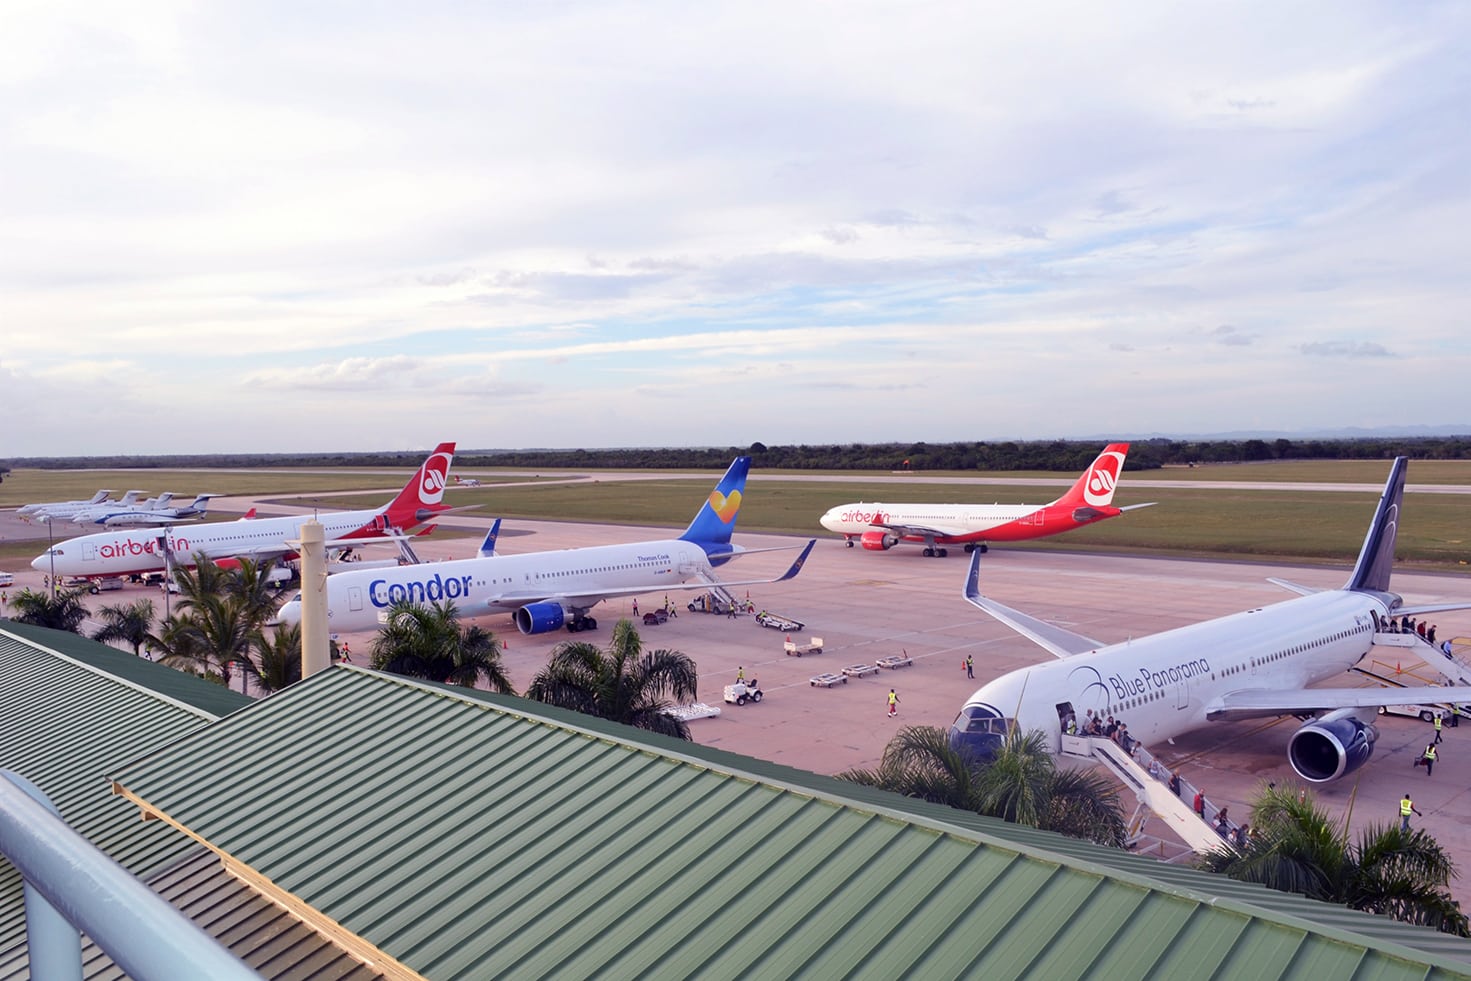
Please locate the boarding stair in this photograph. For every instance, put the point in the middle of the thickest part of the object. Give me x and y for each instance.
(1154, 796)
(718, 591)
(401, 539)
(1420, 660)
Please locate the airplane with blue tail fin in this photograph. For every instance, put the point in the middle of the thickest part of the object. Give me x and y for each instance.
(1256, 664)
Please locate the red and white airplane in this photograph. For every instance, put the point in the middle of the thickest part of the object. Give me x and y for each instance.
(120, 553)
(882, 526)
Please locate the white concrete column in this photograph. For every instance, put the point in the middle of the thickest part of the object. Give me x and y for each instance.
(316, 640)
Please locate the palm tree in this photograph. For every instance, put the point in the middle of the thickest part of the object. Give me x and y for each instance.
(428, 642)
(1019, 783)
(622, 684)
(250, 586)
(180, 645)
(64, 611)
(128, 623)
(278, 657)
(1295, 847)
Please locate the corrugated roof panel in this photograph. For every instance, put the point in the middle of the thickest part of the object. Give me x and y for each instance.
(473, 836)
(64, 720)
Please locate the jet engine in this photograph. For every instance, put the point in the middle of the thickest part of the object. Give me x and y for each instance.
(1331, 747)
(877, 541)
(539, 618)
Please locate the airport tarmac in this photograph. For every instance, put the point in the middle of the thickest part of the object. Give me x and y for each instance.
(869, 605)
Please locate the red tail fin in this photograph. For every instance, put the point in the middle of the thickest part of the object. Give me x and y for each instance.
(421, 495)
(1095, 488)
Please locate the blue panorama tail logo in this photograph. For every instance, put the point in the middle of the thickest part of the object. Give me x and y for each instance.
(1097, 682)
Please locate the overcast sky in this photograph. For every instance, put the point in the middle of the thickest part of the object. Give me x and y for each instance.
(318, 226)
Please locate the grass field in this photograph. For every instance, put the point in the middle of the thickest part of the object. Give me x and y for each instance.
(1191, 519)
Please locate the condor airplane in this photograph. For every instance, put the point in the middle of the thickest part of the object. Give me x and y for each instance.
(882, 526)
(1247, 665)
(143, 550)
(548, 590)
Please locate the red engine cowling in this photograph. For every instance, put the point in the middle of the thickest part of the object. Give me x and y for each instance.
(878, 541)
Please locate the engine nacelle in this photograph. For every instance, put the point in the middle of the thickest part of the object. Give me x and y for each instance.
(1331, 747)
(878, 541)
(539, 618)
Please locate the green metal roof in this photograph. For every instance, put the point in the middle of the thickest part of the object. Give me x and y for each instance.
(467, 835)
(69, 709)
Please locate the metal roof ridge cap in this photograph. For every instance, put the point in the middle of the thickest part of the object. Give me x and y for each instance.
(126, 683)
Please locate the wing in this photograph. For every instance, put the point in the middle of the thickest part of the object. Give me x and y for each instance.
(920, 531)
(1050, 637)
(1257, 702)
(587, 600)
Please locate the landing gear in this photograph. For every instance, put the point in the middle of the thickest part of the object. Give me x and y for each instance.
(849, 541)
(975, 547)
(577, 624)
(931, 553)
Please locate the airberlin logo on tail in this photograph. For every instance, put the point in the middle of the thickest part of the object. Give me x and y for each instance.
(433, 478)
(1103, 478)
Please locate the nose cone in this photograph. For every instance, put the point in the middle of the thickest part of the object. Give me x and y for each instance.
(42, 562)
(831, 521)
(290, 614)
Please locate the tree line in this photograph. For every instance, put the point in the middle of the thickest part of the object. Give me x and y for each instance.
(1058, 455)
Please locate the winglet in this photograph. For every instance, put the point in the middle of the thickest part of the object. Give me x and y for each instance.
(1376, 558)
(797, 565)
(487, 547)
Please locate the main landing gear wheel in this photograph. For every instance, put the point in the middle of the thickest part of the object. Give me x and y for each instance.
(850, 543)
(931, 553)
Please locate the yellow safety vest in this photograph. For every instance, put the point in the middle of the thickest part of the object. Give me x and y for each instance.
(893, 698)
(1405, 807)
(1430, 753)
(1437, 723)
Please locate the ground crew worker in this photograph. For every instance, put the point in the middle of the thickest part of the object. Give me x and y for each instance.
(1429, 758)
(893, 703)
(1405, 807)
(970, 664)
(741, 674)
(1437, 726)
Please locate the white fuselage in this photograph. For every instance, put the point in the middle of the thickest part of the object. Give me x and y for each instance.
(1165, 684)
(117, 553)
(578, 578)
(855, 519)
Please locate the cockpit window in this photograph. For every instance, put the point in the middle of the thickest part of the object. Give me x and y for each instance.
(983, 719)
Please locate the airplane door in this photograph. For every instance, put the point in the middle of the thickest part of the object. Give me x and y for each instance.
(1182, 700)
(89, 553)
(354, 597)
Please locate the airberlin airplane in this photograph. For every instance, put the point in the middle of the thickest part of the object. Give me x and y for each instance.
(878, 527)
(122, 553)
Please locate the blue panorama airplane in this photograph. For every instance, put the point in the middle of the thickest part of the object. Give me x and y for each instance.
(1246, 665)
(546, 591)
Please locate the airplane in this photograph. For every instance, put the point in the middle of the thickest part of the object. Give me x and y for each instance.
(158, 515)
(129, 503)
(545, 591)
(62, 511)
(878, 527)
(1246, 665)
(96, 498)
(466, 482)
(124, 552)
